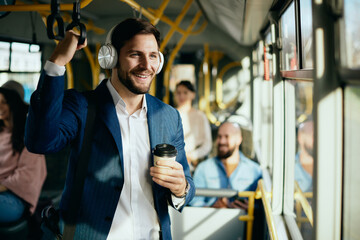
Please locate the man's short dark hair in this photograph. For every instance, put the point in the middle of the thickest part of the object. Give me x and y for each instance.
(130, 27)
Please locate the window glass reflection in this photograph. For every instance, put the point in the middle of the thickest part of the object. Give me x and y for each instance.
(304, 159)
(351, 204)
(24, 65)
(24, 58)
(288, 36)
(306, 33)
(352, 33)
(266, 106)
(4, 55)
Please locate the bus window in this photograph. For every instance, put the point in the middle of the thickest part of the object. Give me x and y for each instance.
(288, 35)
(20, 62)
(351, 204)
(306, 34)
(352, 33)
(267, 107)
(304, 158)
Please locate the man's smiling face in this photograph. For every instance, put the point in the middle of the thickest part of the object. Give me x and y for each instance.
(138, 63)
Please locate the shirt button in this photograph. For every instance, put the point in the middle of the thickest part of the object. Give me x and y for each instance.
(108, 219)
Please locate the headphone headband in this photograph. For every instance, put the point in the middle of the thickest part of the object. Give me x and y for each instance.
(109, 35)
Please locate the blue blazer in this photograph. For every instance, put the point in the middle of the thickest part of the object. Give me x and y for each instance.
(57, 118)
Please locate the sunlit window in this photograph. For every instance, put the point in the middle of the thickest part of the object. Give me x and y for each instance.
(352, 32)
(306, 33)
(267, 105)
(289, 60)
(351, 206)
(304, 158)
(25, 58)
(20, 62)
(4, 55)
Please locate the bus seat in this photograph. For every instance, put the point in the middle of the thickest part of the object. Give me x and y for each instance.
(207, 223)
(17, 230)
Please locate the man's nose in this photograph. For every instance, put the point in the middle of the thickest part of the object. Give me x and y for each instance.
(221, 140)
(145, 62)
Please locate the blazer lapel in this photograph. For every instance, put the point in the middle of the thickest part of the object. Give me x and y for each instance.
(108, 115)
(154, 123)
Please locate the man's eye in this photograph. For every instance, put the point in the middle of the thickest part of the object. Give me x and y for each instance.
(134, 54)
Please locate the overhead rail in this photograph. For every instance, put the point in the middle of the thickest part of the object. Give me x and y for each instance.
(40, 7)
(153, 15)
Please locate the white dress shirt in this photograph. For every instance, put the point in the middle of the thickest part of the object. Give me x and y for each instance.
(135, 215)
(197, 134)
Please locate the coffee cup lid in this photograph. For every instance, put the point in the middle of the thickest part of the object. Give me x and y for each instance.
(165, 150)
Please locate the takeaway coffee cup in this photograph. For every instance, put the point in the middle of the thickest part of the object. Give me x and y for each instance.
(164, 152)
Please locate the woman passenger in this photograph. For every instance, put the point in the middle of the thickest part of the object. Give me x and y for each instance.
(197, 131)
(22, 173)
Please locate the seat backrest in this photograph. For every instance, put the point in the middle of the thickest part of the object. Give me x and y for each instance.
(17, 230)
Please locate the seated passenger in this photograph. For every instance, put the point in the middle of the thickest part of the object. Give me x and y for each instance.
(197, 131)
(22, 173)
(229, 169)
(304, 160)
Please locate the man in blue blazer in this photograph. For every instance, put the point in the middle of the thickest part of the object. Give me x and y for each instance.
(125, 196)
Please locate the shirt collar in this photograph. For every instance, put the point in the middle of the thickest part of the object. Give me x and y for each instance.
(118, 100)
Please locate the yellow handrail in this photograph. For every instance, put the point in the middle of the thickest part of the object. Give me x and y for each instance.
(268, 211)
(300, 196)
(173, 55)
(250, 212)
(219, 86)
(179, 18)
(159, 12)
(95, 68)
(204, 100)
(139, 8)
(40, 7)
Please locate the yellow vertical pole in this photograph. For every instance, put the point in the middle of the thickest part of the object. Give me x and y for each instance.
(206, 67)
(173, 54)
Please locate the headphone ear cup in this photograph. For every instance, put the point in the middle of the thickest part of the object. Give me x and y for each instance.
(161, 62)
(107, 56)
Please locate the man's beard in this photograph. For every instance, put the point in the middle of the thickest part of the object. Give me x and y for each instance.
(309, 149)
(224, 155)
(129, 84)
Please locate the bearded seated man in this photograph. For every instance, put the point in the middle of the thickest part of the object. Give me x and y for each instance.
(230, 169)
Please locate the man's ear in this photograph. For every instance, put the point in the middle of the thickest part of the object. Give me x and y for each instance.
(192, 95)
(240, 140)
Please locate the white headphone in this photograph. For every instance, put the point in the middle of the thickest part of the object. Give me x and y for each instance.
(108, 56)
